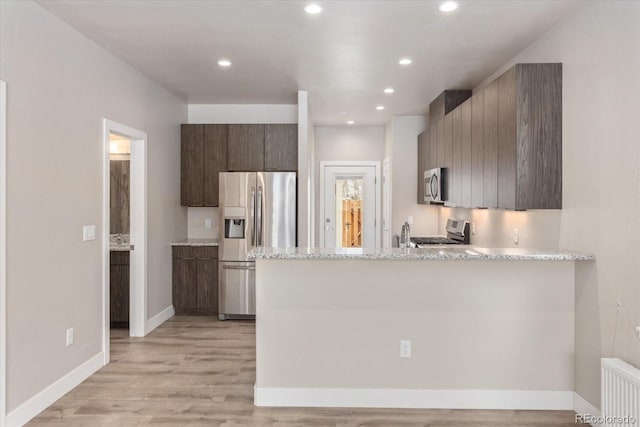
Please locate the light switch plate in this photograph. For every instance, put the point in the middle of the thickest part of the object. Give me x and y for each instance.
(88, 233)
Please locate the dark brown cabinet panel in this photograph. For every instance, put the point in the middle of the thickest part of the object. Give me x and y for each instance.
(423, 160)
(477, 158)
(440, 144)
(215, 161)
(246, 148)
(192, 165)
(281, 148)
(465, 154)
(507, 140)
(446, 102)
(195, 279)
(433, 146)
(539, 136)
(490, 145)
(455, 172)
(448, 154)
(119, 289)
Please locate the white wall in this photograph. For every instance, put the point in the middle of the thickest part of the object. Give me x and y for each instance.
(60, 87)
(243, 113)
(599, 46)
(340, 143)
(196, 223)
(404, 131)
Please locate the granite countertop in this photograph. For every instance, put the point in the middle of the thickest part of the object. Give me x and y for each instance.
(120, 247)
(445, 252)
(196, 242)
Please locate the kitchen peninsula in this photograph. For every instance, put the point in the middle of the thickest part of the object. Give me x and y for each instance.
(440, 327)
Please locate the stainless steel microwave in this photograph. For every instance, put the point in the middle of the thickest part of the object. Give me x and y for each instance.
(434, 185)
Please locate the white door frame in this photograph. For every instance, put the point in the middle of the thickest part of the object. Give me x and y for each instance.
(138, 231)
(386, 203)
(3, 253)
(342, 163)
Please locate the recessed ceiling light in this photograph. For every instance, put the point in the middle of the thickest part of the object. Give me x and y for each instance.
(224, 63)
(389, 90)
(405, 61)
(380, 107)
(448, 6)
(313, 9)
(350, 122)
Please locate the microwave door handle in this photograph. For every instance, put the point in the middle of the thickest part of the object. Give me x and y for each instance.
(259, 240)
(252, 216)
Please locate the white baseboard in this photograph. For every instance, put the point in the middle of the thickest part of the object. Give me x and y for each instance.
(581, 406)
(159, 319)
(38, 403)
(406, 398)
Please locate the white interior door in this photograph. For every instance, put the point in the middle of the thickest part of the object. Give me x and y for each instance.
(349, 217)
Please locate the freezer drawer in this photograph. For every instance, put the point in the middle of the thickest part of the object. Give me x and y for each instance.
(236, 289)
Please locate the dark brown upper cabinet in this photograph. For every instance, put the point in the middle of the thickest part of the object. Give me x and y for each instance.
(246, 148)
(423, 162)
(215, 161)
(192, 165)
(530, 137)
(446, 102)
(454, 175)
(203, 155)
(465, 154)
(281, 148)
(490, 145)
(477, 156)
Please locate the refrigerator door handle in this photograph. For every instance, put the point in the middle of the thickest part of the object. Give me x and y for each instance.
(259, 241)
(252, 214)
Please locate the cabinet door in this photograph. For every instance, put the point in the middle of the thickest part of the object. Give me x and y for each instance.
(215, 161)
(207, 271)
(448, 154)
(423, 156)
(456, 166)
(281, 148)
(119, 288)
(433, 144)
(440, 145)
(465, 156)
(490, 145)
(507, 140)
(185, 281)
(191, 165)
(246, 148)
(477, 168)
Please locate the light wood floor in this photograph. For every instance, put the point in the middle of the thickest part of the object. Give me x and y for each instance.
(196, 370)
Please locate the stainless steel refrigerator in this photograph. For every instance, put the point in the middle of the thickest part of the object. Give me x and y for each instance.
(257, 209)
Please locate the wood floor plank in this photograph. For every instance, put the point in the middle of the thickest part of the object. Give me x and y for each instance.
(198, 371)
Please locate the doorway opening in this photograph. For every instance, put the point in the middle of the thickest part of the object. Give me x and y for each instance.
(124, 231)
(349, 204)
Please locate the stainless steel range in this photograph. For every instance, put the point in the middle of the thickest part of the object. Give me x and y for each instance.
(457, 234)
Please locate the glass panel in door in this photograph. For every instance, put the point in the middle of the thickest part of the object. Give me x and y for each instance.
(349, 211)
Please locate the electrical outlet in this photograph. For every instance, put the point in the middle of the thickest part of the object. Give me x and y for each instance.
(207, 223)
(69, 336)
(516, 236)
(405, 349)
(88, 233)
(638, 330)
(473, 228)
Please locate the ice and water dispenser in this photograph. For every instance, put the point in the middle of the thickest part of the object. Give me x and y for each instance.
(234, 222)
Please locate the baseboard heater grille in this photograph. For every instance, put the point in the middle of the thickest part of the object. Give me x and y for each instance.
(620, 393)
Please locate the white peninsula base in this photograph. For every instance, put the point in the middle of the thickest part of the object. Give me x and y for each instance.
(485, 333)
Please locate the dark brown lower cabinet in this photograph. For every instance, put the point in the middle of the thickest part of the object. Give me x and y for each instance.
(195, 279)
(119, 289)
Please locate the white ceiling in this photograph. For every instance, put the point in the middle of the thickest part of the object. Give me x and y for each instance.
(344, 57)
